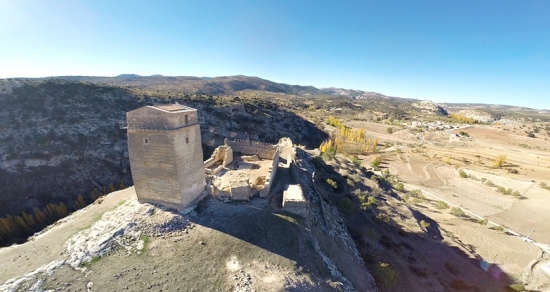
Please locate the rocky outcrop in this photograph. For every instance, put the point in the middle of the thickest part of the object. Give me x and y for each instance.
(477, 115)
(430, 107)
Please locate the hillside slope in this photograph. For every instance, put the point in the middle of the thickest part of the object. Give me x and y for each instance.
(232, 247)
(62, 138)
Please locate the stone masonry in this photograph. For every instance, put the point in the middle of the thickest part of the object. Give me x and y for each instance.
(294, 201)
(165, 151)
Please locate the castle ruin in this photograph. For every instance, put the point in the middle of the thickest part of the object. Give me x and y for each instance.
(244, 176)
(165, 151)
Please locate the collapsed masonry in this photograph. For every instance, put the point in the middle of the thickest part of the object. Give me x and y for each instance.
(165, 150)
(248, 175)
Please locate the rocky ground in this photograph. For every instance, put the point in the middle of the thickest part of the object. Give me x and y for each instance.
(135, 247)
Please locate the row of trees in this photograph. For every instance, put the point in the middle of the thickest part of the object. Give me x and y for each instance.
(462, 119)
(16, 229)
(348, 140)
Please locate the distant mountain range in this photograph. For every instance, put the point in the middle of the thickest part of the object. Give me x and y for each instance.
(226, 85)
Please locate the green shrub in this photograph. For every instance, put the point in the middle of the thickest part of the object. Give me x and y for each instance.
(385, 275)
(462, 174)
(346, 206)
(355, 160)
(332, 183)
(501, 228)
(415, 193)
(370, 200)
(424, 225)
(399, 186)
(376, 162)
(457, 212)
(442, 205)
(483, 222)
(518, 287)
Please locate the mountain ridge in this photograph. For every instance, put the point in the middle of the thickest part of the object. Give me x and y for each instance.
(226, 85)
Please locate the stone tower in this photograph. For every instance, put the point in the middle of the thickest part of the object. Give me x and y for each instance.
(164, 146)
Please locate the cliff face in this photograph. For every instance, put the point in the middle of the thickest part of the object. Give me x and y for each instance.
(430, 107)
(61, 138)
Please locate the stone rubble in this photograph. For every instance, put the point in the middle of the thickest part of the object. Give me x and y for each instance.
(125, 227)
(243, 282)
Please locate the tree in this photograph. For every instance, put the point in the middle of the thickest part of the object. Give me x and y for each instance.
(79, 204)
(389, 130)
(500, 160)
(111, 188)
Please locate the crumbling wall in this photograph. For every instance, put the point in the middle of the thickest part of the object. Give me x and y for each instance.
(240, 190)
(247, 147)
(222, 153)
(270, 175)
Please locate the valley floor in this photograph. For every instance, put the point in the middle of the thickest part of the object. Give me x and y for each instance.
(434, 168)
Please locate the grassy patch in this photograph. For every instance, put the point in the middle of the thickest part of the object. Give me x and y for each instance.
(385, 275)
(96, 218)
(120, 203)
(94, 259)
(146, 239)
(287, 217)
(517, 287)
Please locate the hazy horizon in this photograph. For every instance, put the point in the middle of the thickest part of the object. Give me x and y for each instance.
(493, 52)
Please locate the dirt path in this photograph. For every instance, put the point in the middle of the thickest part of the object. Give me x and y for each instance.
(36, 253)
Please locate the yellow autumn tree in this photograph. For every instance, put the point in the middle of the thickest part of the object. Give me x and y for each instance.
(500, 160)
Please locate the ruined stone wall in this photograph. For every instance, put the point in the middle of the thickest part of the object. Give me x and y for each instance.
(240, 190)
(263, 150)
(270, 175)
(298, 208)
(223, 154)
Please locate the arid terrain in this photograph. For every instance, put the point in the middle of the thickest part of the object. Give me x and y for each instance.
(434, 166)
(422, 208)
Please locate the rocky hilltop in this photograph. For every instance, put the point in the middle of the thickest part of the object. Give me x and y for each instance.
(251, 246)
(61, 138)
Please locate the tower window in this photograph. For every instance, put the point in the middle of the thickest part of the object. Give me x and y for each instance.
(145, 141)
(186, 139)
(186, 119)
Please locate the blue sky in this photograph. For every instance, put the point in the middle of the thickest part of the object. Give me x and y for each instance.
(445, 51)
